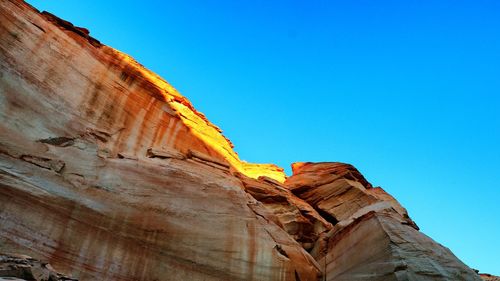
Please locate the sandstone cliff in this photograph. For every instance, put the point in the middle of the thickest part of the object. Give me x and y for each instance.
(108, 173)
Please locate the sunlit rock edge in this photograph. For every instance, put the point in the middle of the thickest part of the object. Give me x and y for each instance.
(108, 173)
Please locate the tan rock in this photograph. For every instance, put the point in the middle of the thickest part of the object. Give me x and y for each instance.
(376, 246)
(489, 277)
(22, 267)
(108, 173)
(293, 214)
(372, 237)
(339, 192)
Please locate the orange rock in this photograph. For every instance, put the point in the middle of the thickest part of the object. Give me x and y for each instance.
(372, 238)
(489, 277)
(109, 173)
(295, 216)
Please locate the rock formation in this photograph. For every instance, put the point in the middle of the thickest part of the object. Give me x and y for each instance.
(108, 173)
(489, 277)
(20, 267)
(373, 237)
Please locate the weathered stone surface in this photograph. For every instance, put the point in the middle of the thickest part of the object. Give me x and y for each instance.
(103, 175)
(296, 216)
(108, 173)
(339, 192)
(373, 237)
(377, 247)
(489, 277)
(22, 267)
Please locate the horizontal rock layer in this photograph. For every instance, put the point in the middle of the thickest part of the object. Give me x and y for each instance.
(108, 173)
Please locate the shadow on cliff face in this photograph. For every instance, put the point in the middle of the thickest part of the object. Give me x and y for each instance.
(110, 174)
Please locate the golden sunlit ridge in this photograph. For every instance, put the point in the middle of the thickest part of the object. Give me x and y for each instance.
(199, 125)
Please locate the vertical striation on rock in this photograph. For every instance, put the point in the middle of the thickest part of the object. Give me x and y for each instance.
(108, 173)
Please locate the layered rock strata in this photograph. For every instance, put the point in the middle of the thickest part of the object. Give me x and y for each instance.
(108, 173)
(372, 237)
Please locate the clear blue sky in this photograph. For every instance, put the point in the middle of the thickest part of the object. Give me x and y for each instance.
(407, 91)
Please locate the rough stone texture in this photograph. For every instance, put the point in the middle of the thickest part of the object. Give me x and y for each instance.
(101, 175)
(295, 216)
(340, 193)
(108, 173)
(489, 277)
(21, 267)
(372, 237)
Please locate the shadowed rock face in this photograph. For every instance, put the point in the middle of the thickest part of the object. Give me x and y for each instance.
(102, 176)
(489, 277)
(21, 267)
(108, 173)
(372, 237)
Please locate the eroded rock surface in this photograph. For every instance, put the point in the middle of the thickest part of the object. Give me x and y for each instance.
(21, 267)
(372, 238)
(102, 174)
(489, 277)
(108, 173)
(293, 214)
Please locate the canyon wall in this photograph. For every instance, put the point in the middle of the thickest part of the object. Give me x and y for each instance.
(108, 173)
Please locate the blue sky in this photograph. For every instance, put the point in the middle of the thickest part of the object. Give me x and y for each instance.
(407, 91)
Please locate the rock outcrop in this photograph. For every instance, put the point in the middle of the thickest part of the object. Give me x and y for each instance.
(372, 237)
(489, 277)
(108, 173)
(21, 267)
